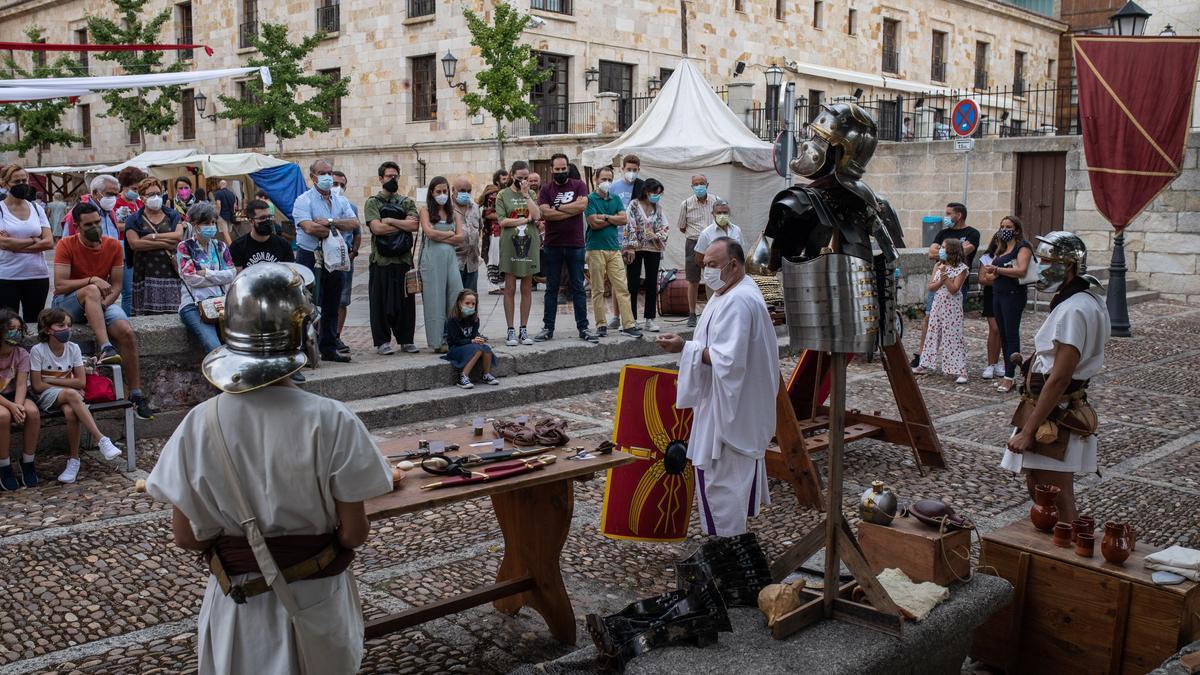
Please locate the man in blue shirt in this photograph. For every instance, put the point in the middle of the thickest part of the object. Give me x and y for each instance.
(319, 214)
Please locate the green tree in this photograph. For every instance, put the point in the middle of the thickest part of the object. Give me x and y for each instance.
(512, 69)
(39, 123)
(278, 108)
(151, 110)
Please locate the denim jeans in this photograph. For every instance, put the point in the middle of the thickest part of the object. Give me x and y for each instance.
(127, 291)
(207, 333)
(573, 256)
(329, 299)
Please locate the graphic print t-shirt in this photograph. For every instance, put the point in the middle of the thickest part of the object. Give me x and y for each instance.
(569, 231)
(246, 251)
(46, 362)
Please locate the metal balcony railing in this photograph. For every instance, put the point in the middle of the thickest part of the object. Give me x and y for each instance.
(329, 18)
(556, 6)
(246, 34)
(558, 118)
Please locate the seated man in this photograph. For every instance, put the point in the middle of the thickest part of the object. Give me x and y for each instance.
(88, 269)
(262, 244)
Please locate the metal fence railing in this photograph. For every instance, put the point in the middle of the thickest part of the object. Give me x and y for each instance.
(1004, 112)
(329, 18)
(558, 118)
(632, 108)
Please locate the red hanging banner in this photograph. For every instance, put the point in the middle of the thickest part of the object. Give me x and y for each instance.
(51, 47)
(1135, 104)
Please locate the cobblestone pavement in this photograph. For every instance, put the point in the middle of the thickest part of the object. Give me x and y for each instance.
(94, 585)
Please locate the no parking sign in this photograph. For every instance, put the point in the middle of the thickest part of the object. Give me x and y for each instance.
(965, 118)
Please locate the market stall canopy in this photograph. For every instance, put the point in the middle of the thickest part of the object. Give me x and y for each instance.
(14, 94)
(282, 181)
(145, 160)
(42, 170)
(63, 86)
(687, 126)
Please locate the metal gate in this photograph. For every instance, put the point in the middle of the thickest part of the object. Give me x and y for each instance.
(1041, 189)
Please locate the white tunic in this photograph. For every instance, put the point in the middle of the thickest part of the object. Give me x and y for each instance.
(734, 404)
(1082, 322)
(296, 453)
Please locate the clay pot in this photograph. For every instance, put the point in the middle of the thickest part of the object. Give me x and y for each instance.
(1044, 513)
(1062, 535)
(1116, 545)
(1085, 544)
(1090, 521)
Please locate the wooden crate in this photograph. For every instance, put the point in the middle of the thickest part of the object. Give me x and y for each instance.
(1080, 615)
(918, 550)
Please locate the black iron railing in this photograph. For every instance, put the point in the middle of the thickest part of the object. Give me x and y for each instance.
(246, 34)
(632, 108)
(421, 8)
(558, 118)
(329, 18)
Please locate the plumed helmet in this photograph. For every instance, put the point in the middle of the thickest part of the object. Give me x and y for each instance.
(268, 326)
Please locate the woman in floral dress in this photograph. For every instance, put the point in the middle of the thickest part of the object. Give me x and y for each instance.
(944, 348)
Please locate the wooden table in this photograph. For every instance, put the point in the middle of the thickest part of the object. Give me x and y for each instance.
(534, 510)
(1080, 615)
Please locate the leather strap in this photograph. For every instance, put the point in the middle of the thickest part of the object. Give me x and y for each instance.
(298, 572)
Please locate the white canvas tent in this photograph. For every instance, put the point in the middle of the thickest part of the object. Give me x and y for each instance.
(688, 129)
(144, 160)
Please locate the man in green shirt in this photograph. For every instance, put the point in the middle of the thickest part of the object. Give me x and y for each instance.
(605, 214)
(520, 247)
(393, 309)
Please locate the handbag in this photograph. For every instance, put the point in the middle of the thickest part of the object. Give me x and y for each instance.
(320, 650)
(212, 310)
(412, 278)
(98, 389)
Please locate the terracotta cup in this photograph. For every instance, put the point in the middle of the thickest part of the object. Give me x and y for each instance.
(1085, 544)
(1081, 526)
(1090, 521)
(1062, 534)
(1132, 534)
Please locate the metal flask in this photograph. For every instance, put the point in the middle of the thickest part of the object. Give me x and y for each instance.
(878, 504)
(831, 304)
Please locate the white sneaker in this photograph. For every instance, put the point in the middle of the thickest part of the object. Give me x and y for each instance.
(70, 473)
(999, 369)
(988, 372)
(962, 379)
(652, 327)
(107, 449)
(511, 340)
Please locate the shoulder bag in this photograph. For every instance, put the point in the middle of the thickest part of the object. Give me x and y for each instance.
(395, 244)
(1031, 270)
(319, 649)
(412, 278)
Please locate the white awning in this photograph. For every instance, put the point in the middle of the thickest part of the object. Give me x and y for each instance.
(85, 84)
(14, 94)
(870, 80)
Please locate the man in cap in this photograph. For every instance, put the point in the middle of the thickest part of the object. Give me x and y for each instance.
(272, 490)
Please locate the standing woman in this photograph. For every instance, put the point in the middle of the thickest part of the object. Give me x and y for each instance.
(645, 239)
(1008, 294)
(995, 365)
(442, 231)
(206, 268)
(24, 235)
(151, 237)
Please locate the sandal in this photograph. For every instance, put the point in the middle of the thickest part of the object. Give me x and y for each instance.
(1006, 385)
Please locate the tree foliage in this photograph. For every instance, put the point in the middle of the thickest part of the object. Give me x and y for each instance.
(512, 68)
(279, 108)
(150, 109)
(39, 123)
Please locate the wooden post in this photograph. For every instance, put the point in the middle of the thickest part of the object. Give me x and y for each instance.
(837, 442)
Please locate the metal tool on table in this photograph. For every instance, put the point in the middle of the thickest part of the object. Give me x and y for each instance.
(494, 472)
(445, 465)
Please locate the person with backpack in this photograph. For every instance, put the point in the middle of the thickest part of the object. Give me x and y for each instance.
(392, 218)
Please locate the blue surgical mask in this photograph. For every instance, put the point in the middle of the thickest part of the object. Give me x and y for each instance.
(654, 198)
(13, 337)
(942, 254)
(467, 311)
(208, 231)
(463, 198)
(700, 190)
(325, 182)
(947, 221)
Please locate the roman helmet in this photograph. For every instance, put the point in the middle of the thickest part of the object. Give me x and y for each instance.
(841, 141)
(269, 330)
(1055, 253)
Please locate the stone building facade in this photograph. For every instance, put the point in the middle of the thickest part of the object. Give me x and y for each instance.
(401, 106)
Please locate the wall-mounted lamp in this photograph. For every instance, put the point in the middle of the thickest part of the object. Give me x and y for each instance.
(653, 84)
(201, 102)
(449, 65)
(1003, 116)
(858, 93)
(738, 68)
(590, 75)
(921, 102)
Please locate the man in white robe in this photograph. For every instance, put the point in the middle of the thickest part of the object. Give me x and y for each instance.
(729, 375)
(305, 465)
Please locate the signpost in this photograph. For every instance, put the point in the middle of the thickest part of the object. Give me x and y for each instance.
(965, 121)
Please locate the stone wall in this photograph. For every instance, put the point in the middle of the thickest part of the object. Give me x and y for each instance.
(1162, 244)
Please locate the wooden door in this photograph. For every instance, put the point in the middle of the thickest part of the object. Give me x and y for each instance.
(1041, 188)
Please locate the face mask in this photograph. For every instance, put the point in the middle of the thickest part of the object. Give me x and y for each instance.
(131, 196)
(942, 254)
(325, 182)
(700, 190)
(183, 193)
(561, 177)
(712, 278)
(654, 198)
(630, 176)
(23, 191)
(92, 235)
(154, 203)
(605, 186)
(264, 227)
(1007, 235)
(722, 219)
(336, 190)
(463, 198)
(441, 199)
(108, 202)
(208, 231)
(391, 185)
(467, 311)
(63, 336)
(13, 336)
(947, 221)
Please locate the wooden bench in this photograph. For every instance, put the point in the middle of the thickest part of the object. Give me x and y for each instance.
(121, 405)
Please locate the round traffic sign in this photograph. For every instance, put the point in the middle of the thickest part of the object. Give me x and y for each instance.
(965, 117)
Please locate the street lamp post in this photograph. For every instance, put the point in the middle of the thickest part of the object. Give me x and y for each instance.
(449, 65)
(1130, 20)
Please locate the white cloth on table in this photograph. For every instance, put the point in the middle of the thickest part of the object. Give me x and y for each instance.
(1082, 322)
(734, 404)
(1178, 559)
(298, 453)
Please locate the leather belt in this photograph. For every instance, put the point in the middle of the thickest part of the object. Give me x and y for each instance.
(239, 593)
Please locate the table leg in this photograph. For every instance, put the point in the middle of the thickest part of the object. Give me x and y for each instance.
(535, 522)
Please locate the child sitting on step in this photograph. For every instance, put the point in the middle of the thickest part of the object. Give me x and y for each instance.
(56, 369)
(15, 409)
(467, 346)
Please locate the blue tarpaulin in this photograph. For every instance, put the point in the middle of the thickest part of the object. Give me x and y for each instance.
(283, 184)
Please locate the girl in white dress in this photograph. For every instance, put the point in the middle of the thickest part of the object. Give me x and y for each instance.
(945, 349)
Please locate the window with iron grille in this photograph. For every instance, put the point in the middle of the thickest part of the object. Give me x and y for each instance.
(1019, 74)
(817, 18)
(891, 46)
(187, 116)
(937, 70)
(981, 72)
(420, 8)
(249, 135)
(85, 124)
(183, 29)
(815, 99)
(616, 77)
(328, 16)
(852, 22)
(664, 74)
(81, 38)
(39, 60)
(249, 27)
(333, 116)
(135, 135)
(550, 97)
(888, 130)
(780, 9)
(424, 87)
(556, 6)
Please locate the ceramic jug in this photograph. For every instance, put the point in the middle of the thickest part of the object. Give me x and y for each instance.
(1115, 546)
(1044, 513)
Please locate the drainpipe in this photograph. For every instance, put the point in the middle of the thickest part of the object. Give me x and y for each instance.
(420, 162)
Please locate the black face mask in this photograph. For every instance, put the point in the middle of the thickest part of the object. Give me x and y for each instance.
(264, 227)
(23, 191)
(561, 178)
(391, 186)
